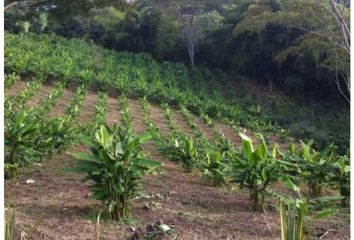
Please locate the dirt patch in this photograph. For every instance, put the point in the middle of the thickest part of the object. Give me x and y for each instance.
(137, 113)
(203, 128)
(88, 108)
(159, 119)
(229, 133)
(16, 88)
(112, 114)
(39, 96)
(182, 124)
(63, 104)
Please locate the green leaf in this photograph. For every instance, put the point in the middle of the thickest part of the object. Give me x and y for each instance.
(247, 145)
(325, 213)
(289, 184)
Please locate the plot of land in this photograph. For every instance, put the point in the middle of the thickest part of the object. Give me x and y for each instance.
(185, 202)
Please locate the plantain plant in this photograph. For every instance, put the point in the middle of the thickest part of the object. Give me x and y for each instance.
(116, 165)
(180, 147)
(254, 169)
(316, 167)
(213, 166)
(341, 177)
(296, 211)
(21, 131)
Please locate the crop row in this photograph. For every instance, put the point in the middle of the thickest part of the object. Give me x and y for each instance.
(197, 89)
(29, 135)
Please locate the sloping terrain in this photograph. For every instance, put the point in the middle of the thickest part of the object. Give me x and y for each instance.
(184, 201)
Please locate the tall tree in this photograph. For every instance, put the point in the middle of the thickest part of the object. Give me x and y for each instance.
(191, 31)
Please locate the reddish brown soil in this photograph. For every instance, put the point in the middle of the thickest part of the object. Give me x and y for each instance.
(137, 113)
(40, 96)
(208, 133)
(16, 88)
(181, 123)
(62, 105)
(112, 114)
(185, 202)
(159, 119)
(229, 133)
(88, 108)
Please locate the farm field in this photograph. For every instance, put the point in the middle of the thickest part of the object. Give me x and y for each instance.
(183, 200)
(201, 142)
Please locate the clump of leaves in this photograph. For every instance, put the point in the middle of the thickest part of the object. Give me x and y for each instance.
(181, 148)
(341, 177)
(20, 134)
(316, 167)
(116, 165)
(255, 169)
(213, 166)
(295, 210)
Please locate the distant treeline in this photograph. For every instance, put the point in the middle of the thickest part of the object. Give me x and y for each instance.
(295, 45)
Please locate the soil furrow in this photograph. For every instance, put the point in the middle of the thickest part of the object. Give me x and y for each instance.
(203, 128)
(16, 88)
(182, 124)
(159, 119)
(112, 113)
(229, 133)
(40, 96)
(137, 113)
(62, 105)
(88, 108)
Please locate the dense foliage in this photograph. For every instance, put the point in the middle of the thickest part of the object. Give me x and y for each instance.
(295, 45)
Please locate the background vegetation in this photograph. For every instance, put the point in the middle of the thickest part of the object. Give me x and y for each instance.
(278, 45)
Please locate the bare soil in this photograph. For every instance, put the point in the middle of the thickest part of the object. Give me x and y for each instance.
(112, 111)
(88, 108)
(40, 96)
(16, 88)
(208, 133)
(186, 202)
(62, 105)
(181, 123)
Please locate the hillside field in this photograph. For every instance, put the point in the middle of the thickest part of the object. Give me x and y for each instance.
(58, 90)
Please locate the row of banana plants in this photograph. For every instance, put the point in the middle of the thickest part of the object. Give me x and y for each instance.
(99, 116)
(30, 89)
(256, 169)
(198, 89)
(30, 136)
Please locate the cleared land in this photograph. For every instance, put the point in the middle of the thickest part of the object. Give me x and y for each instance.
(185, 202)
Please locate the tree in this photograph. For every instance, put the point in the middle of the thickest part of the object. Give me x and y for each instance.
(322, 32)
(191, 30)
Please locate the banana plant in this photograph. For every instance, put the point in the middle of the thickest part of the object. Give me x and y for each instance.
(21, 130)
(180, 147)
(316, 167)
(254, 169)
(341, 177)
(116, 165)
(213, 165)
